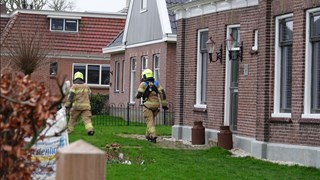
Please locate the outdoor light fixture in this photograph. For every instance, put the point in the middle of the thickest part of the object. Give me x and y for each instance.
(219, 55)
(210, 49)
(235, 53)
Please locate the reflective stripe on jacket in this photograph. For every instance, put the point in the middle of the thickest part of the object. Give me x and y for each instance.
(79, 97)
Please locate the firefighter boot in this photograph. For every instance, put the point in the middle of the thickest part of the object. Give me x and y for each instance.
(90, 133)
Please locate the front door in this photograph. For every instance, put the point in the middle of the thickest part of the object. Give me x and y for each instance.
(232, 77)
(234, 94)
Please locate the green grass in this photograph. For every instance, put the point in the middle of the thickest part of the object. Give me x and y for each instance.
(163, 163)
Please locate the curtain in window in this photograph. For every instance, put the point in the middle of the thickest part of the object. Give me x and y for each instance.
(93, 74)
(286, 79)
(315, 89)
(105, 75)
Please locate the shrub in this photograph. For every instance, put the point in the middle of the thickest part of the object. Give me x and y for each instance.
(25, 107)
(98, 103)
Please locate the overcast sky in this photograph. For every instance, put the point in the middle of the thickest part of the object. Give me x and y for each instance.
(99, 5)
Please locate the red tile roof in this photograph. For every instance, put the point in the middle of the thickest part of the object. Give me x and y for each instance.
(94, 32)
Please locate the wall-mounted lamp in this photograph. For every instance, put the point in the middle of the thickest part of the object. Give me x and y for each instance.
(235, 50)
(219, 55)
(210, 49)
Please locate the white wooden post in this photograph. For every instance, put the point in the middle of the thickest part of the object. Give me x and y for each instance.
(80, 161)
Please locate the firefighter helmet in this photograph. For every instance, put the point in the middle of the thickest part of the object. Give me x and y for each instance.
(147, 73)
(78, 75)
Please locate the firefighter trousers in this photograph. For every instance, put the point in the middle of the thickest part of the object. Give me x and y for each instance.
(86, 117)
(149, 116)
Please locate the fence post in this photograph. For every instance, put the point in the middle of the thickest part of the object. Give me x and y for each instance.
(164, 118)
(80, 161)
(128, 114)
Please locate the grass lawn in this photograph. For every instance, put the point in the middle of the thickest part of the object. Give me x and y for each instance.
(150, 161)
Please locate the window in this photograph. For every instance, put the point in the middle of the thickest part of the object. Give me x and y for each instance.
(70, 25)
(144, 63)
(94, 74)
(283, 66)
(53, 68)
(117, 74)
(156, 67)
(133, 68)
(312, 72)
(123, 74)
(202, 64)
(143, 6)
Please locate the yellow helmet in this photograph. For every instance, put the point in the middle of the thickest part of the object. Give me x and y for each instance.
(147, 73)
(78, 75)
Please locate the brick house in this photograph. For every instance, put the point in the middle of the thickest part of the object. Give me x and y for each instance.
(267, 90)
(75, 38)
(147, 41)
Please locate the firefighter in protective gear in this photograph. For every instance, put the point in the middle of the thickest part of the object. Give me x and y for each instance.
(78, 104)
(150, 90)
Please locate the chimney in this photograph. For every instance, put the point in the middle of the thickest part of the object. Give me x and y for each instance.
(3, 9)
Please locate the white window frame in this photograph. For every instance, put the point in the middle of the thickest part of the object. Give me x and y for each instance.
(277, 80)
(199, 65)
(86, 74)
(227, 98)
(123, 75)
(64, 25)
(132, 80)
(117, 76)
(143, 6)
(308, 69)
(156, 69)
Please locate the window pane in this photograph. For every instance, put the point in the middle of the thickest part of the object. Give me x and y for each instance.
(144, 62)
(71, 25)
(105, 75)
(80, 68)
(315, 25)
(156, 67)
(286, 30)
(315, 91)
(286, 79)
(203, 40)
(123, 74)
(204, 72)
(93, 74)
(203, 67)
(133, 64)
(57, 24)
(236, 35)
(53, 68)
(132, 80)
(117, 74)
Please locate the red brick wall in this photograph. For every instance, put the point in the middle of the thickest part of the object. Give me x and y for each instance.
(256, 90)
(216, 24)
(64, 70)
(120, 97)
(297, 130)
(167, 64)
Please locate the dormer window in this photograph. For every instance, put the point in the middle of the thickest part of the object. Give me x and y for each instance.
(143, 7)
(68, 25)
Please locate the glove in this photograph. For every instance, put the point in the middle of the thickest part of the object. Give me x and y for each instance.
(164, 107)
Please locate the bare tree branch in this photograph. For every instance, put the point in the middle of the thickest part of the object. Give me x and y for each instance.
(61, 5)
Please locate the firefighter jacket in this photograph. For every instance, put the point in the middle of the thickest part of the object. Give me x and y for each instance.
(150, 91)
(79, 96)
